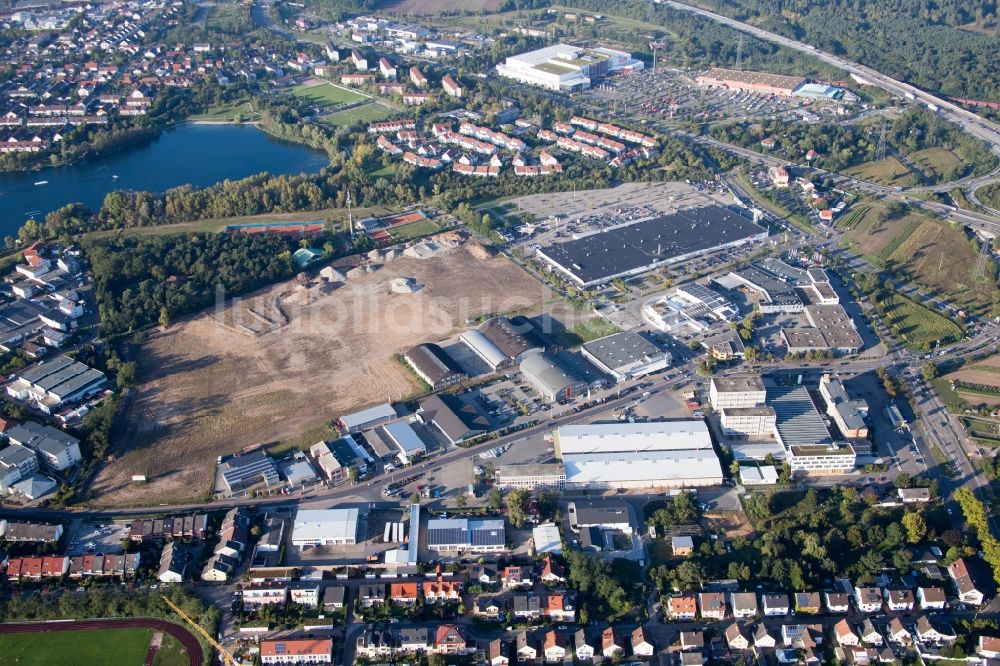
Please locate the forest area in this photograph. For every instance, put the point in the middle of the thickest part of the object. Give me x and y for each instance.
(946, 46)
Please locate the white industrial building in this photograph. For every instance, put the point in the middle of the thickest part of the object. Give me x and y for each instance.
(745, 391)
(668, 454)
(482, 347)
(325, 527)
(406, 440)
(566, 68)
(757, 421)
(626, 355)
(51, 384)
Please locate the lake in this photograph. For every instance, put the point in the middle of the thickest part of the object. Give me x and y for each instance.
(192, 154)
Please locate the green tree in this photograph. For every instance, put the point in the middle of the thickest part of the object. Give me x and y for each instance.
(929, 370)
(461, 501)
(517, 504)
(915, 526)
(353, 473)
(495, 499)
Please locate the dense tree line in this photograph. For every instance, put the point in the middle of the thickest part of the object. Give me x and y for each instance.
(130, 274)
(975, 514)
(920, 41)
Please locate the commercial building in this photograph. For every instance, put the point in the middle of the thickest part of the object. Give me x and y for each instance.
(830, 329)
(610, 515)
(458, 421)
(798, 421)
(757, 82)
(434, 366)
(566, 68)
(553, 380)
(766, 475)
(469, 535)
(16, 462)
(530, 476)
(637, 247)
(297, 651)
(51, 384)
(822, 460)
(547, 539)
(692, 305)
(626, 355)
(406, 440)
(516, 341)
(748, 422)
(30, 532)
(325, 527)
(777, 295)
(736, 391)
(367, 418)
(485, 350)
(56, 449)
(849, 414)
(246, 470)
(664, 454)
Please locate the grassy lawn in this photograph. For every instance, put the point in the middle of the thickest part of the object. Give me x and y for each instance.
(367, 113)
(227, 112)
(387, 171)
(937, 162)
(916, 326)
(111, 647)
(889, 171)
(327, 95)
(405, 232)
(171, 653)
(221, 16)
(588, 330)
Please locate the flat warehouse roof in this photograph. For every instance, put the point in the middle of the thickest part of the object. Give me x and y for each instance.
(621, 349)
(642, 466)
(625, 249)
(325, 524)
(597, 438)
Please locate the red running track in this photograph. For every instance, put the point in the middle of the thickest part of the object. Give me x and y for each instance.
(191, 645)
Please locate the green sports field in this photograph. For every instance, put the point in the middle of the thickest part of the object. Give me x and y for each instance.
(367, 113)
(327, 95)
(107, 647)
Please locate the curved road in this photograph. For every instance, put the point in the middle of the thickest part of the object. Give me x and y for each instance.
(187, 640)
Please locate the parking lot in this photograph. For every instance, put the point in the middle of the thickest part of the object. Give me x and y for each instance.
(672, 95)
(103, 538)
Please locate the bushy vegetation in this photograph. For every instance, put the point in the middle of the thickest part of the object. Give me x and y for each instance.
(804, 538)
(130, 274)
(843, 146)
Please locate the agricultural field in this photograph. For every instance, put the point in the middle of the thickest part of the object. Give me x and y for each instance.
(326, 95)
(366, 113)
(932, 254)
(978, 382)
(279, 365)
(889, 172)
(938, 163)
(918, 327)
(107, 647)
(222, 16)
(429, 7)
(866, 235)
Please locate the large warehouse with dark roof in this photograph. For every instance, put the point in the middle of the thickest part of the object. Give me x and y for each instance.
(638, 247)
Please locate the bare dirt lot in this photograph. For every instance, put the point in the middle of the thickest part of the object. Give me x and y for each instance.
(281, 364)
(428, 7)
(732, 523)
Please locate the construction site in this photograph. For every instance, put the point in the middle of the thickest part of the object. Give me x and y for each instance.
(282, 364)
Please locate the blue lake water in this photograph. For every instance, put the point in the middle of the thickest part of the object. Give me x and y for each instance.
(187, 154)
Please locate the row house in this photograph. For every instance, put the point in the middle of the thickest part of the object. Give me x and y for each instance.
(125, 566)
(36, 568)
(257, 595)
(442, 591)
